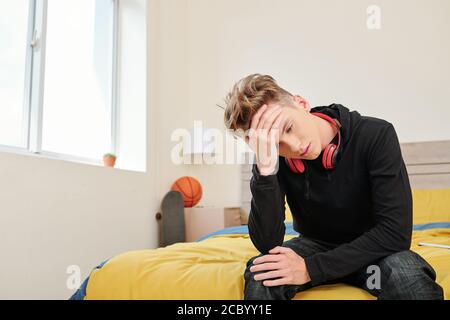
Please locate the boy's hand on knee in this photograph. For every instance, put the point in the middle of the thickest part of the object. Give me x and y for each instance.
(282, 263)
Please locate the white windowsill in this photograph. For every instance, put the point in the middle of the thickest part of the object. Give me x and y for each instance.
(57, 156)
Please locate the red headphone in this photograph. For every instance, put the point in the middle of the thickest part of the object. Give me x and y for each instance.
(329, 154)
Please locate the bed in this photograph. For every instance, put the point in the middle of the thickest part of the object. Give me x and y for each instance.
(213, 266)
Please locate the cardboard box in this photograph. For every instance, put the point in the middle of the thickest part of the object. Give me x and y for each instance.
(201, 221)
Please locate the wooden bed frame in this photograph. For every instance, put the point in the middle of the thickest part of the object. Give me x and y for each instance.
(427, 163)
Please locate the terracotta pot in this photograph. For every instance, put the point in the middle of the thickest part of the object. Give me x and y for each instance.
(109, 161)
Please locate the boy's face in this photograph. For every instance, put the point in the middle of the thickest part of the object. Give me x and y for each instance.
(298, 130)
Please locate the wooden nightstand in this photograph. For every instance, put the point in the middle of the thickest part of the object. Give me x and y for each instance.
(201, 221)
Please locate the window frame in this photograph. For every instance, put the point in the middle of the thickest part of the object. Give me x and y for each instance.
(33, 103)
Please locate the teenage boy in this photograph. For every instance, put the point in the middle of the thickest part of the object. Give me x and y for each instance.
(346, 184)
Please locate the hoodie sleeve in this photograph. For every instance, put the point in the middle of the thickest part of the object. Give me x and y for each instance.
(267, 211)
(392, 205)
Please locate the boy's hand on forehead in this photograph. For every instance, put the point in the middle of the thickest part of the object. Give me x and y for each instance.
(264, 135)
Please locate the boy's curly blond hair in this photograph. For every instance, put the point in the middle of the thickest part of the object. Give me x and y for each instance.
(247, 96)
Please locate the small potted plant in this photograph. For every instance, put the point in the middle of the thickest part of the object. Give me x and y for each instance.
(109, 159)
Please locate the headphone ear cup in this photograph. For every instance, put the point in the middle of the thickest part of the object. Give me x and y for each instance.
(329, 156)
(333, 158)
(296, 165)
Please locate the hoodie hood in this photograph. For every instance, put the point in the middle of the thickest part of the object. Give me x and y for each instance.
(349, 120)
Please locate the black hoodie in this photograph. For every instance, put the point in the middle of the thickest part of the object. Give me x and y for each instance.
(362, 209)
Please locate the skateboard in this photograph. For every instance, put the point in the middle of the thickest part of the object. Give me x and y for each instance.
(171, 219)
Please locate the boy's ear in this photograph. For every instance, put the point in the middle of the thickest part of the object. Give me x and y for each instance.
(302, 102)
(297, 98)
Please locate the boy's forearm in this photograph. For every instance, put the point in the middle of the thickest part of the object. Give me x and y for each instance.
(266, 220)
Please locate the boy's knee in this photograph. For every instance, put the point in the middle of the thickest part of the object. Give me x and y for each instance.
(256, 290)
(250, 261)
(408, 276)
(253, 289)
(249, 276)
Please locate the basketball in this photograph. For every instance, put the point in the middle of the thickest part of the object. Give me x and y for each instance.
(191, 190)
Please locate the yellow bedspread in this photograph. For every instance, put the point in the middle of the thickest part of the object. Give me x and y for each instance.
(213, 269)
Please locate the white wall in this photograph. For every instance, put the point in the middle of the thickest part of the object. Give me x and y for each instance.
(57, 213)
(323, 51)
(168, 83)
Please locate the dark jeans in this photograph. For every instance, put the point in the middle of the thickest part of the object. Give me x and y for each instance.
(403, 275)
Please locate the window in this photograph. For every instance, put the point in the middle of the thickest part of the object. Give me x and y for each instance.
(68, 106)
(13, 36)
